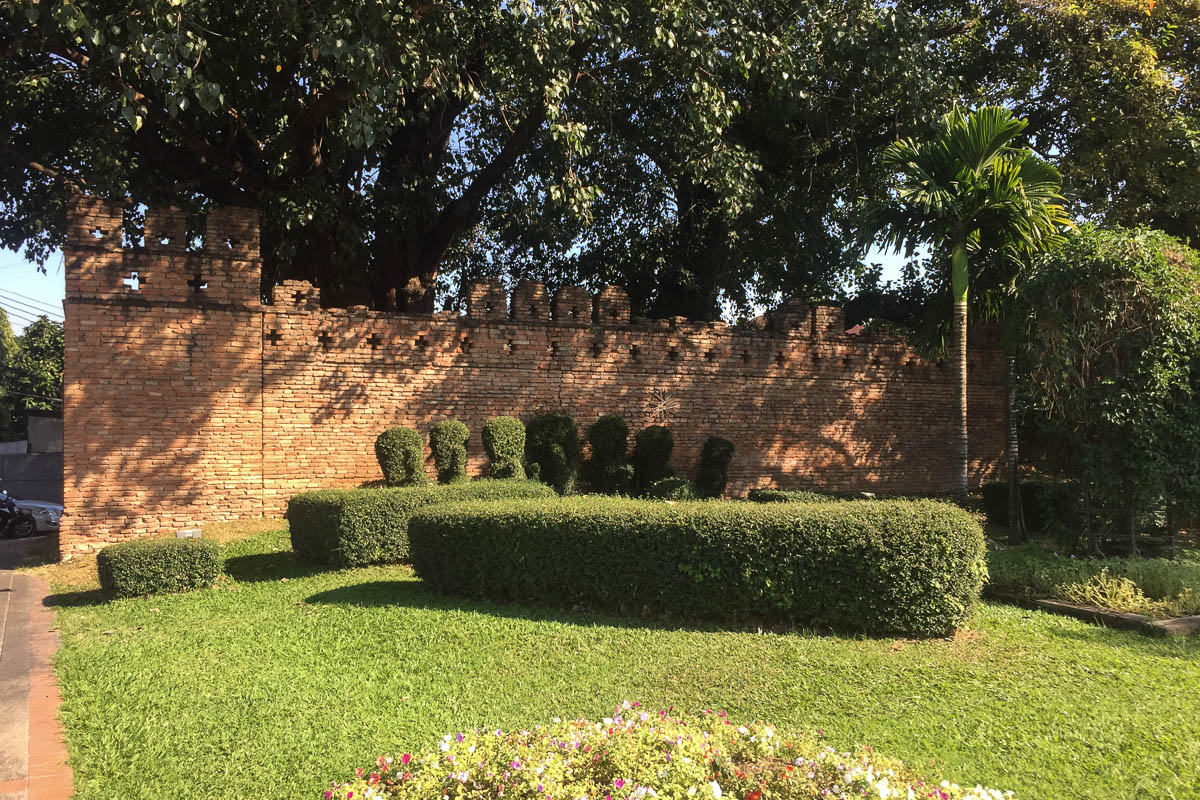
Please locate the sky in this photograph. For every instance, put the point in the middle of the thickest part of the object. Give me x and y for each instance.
(26, 293)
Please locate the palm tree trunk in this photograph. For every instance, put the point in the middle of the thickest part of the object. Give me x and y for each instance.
(1016, 513)
(959, 283)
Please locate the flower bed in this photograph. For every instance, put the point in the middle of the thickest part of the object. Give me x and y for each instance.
(639, 755)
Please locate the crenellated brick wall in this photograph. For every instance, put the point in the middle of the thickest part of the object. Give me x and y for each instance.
(187, 400)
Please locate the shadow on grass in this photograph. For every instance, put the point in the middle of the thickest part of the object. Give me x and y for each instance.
(258, 567)
(415, 594)
(79, 599)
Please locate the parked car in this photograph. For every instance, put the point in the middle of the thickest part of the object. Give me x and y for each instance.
(46, 515)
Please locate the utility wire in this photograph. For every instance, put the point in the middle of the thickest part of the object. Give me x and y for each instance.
(21, 316)
(35, 396)
(21, 308)
(33, 301)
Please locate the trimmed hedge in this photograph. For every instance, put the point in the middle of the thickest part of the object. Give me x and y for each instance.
(713, 476)
(158, 566)
(448, 443)
(913, 568)
(401, 455)
(504, 443)
(651, 459)
(356, 527)
(608, 469)
(672, 489)
(790, 496)
(552, 450)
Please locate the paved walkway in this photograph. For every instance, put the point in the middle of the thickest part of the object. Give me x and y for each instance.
(33, 758)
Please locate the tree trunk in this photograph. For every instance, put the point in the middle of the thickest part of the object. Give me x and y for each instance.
(959, 283)
(1016, 513)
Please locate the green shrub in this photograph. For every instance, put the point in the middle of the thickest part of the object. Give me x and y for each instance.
(401, 457)
(504, 443)
(651, 457)
(790, 496)
(714, 467)
(356, 527)
(448, 443)
(903, 567)
(672, 489)
(608, 470)
(1034, 571)
(158, 566)
(552, 450)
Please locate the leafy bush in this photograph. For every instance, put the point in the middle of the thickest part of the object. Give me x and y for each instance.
(552, 450)
(401, 457)
(714, 467)
(1122, 594)
(504, 443)
(608, 470)
(672, 489)
(1044, 503)
(1111, 365)
(1033, 571)
(635, 754)
(790, 496)
(158, 566)
(651, 457)
(355, 527)
(448, 443)
(913, 568)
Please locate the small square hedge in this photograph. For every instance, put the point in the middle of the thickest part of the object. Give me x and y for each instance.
(356, 527)
(911, 568)
(158, 566)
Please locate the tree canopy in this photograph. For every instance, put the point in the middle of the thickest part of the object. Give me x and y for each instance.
(693, 151)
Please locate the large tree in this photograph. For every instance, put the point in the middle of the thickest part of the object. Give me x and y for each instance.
(969, 187)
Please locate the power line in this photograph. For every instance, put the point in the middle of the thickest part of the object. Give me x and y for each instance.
(21, 316)
(33, 300)
(34, 309)
(35, 396)
(19, 307)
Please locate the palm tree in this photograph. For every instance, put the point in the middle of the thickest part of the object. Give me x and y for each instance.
(966, 187)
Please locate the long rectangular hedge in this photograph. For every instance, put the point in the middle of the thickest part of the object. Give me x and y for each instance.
(356, 527)
(887, 567)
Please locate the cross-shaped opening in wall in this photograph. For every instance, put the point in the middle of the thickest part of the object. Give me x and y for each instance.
(273, 337)
(421, 343)
(673, 353)
(134, 281)
(745, 356)
(533, 310)
(614, 312)
(554, 348)
(597, 349)
(711, 355)
(466, 345)
(197, 284)
(299, 297)
(780, 359)
(574, 311)
(634, 352)
(374, 341)
(97, 233)
(512, 346)
(487, 308)
(325, 339)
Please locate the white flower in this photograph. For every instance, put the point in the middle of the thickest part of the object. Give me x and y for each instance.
(716, 789)
(444, 746)
(691, 791)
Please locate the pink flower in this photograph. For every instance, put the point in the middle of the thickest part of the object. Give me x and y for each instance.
(404, 759)
(328, 795)
(618, 783)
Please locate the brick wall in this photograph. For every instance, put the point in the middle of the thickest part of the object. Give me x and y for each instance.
(187, 400)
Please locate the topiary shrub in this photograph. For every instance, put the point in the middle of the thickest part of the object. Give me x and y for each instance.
(706, 756)
(913, 568)
(401, 457)
(651, 457)
(356, 527)
(158, 566)
(504, 443)
(672, 489)
(608, 469)
(552, 450)
(791, 496)
(448, 443)
(714, 467)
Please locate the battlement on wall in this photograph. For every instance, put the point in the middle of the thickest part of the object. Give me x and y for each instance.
(225, 271)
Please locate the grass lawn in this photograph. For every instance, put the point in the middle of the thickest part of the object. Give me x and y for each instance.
(282, 679)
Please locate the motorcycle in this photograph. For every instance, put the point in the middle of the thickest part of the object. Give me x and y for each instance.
(14, 522)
